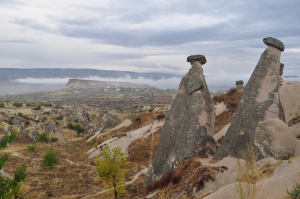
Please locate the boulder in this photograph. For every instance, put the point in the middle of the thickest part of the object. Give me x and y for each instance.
(274, 138)
(289, 94)
(36, 118)
(16, 120)
(111, 120)
(32, 133)
(54, 131)
(90, 130)
(270, 41)
(260, 102)
(189, 124)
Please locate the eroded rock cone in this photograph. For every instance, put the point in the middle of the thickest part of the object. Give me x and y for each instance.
(189, 124)
(260, 102)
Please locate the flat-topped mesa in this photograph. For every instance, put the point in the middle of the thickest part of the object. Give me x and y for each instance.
(270, 41)
(193, 58)
(239, 84)
(260, 106)
(189, 124)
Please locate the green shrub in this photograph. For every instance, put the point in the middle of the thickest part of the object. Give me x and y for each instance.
(70, 125)
(151, 109)
(2, 105)
(28, 104)
(49, 192)
(43, 137)
(79, 129)
(50, 159)
(17, 104)
(76, 120)
(295, 192)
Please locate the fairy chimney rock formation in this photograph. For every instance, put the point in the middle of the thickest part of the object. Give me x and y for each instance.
(260, 102)
(189, 124)
(239, 84)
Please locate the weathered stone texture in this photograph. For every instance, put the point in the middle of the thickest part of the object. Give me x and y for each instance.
(111, 120)
(260, 102)
(270, 41)
(188, 129)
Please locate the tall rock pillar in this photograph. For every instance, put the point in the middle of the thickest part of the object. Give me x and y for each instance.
(189, 124)
(260, 102)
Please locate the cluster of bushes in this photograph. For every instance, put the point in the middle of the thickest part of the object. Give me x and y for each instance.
(17, 104)
(2, 105)
(164, 181)
(78, 128)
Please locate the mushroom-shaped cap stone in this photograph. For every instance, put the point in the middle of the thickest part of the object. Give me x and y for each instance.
(270, 41)
(193, 58)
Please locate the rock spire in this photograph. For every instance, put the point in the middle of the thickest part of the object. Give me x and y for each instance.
(188, 129)
(260, 102)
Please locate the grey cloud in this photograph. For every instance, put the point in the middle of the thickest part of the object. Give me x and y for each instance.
(120, 56)
(170, 67)
(24, 41)
(33, 24)
(141, 64)
(251, 20)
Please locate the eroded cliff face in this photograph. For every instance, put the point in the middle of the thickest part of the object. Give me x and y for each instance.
(188, 129)
(260, 102)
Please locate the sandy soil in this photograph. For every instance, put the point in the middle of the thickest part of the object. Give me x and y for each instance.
(220, 108)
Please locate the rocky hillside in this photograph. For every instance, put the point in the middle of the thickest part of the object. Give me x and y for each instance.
(76, 89)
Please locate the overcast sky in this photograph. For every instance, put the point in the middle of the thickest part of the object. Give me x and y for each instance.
(148, 36)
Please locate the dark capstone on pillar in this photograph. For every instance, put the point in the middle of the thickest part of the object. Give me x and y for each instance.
(239, 84)
(189, 124)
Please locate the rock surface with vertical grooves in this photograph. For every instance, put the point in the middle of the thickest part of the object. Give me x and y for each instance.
(188, 129)
(260, 102)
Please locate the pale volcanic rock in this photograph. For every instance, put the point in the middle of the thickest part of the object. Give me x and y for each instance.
(260, 101)
(188, 129)
(289, 93)
(111, 120)
(274, 138)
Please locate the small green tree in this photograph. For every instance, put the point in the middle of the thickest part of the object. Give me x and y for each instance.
(79, 129)
(10, 187)
(43, 137)
(50, 159)
(31, 149)
(2, 105)
(110, 165)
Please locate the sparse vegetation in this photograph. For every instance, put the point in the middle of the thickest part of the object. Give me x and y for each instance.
(43, 137)
(32, 149)
(2, 105)
(10, 187)
(110, 165)
(294, 193)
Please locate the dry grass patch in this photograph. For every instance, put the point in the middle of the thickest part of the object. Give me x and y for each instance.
(232, 100)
